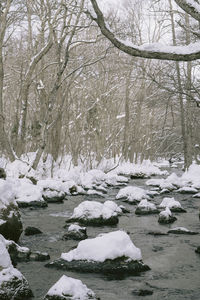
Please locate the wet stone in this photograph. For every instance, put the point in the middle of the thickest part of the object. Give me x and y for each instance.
(197, 250)
(95, 221)
(32, 230)
(157, 233)
(120, 266)
(39, 256)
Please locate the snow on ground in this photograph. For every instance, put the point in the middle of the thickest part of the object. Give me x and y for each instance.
(118, 244)
(170, 203)
(188, 182)
(71, 288)
(132, 193)
(94, 209)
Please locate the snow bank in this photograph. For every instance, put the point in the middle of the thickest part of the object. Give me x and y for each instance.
(147, 168)
(118, 244)
(192, 176)
(70, 288)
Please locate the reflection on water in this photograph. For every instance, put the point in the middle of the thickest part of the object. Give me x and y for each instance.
(175, 267)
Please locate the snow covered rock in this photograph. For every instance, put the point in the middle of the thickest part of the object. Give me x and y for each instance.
(28, 194)
(16, 252)
(10, 219)
(187, 190)
(67, 288)
(13, 284)
(132, 194)
(146, 208)
(53, 196)
(182, 230)
(172, 204)
(96, 213)
(75, 232)
(119, 256)
(166, 217)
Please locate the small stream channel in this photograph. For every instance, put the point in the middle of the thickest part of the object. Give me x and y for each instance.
(175, 267)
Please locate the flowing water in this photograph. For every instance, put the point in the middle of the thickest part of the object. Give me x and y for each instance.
(175, 267)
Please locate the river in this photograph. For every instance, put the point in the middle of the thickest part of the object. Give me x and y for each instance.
(175, 267)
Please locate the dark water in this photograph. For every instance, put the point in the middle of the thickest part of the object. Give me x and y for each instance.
(175, 267)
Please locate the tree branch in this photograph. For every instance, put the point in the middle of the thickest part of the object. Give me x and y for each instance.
(154, 51)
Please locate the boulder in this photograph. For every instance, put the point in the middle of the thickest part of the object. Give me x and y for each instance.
(10, 222)
(172, 204)
(13, 285)
(197, 250)
(96, 213)
(30, 230)
(117, 266)
(119, 257)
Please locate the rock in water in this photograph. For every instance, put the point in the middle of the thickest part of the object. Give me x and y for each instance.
(166, 217)
(67, 288)
(32, 230)
(75, 232)
(119, 257)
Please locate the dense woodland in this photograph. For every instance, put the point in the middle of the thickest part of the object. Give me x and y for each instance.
(66, 89)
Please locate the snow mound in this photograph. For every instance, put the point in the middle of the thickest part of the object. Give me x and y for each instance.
(70, 288)
(132, 193)
(94, 209)
(118, 244)
(170, 203)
